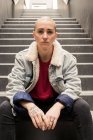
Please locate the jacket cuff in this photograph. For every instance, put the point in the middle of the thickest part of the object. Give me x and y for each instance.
(21, 96)
(66, 101)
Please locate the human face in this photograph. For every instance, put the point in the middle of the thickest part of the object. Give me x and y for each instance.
(45, 34)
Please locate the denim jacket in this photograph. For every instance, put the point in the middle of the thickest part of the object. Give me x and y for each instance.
(63, 75)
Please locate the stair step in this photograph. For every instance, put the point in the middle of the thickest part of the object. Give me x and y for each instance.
(81, 57)
(86, 93)
(32, 26)
(34, 18)
(33, 22)
(7, 62)
(7, 58)
(40, 15)
(29, 30)
(15, 41)
(27, 41)
(5, 68)
(38, 12)
(52, 11)
(12, 48)
(29, 35)
(73, 35)
(87, 82)
(83, 48)
(84, 57)
(75, 40)
(3, 83)
(85, 68)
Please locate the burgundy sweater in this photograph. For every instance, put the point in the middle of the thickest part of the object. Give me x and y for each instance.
(43, 89)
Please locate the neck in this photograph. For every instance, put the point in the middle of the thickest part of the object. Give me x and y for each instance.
(45, 56)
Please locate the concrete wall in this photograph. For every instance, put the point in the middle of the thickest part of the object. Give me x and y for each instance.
(63, 8)
(5, 10)
(8, 9)
(18, 8)
(82, 10)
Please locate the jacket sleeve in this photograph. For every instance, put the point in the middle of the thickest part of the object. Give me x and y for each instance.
(17, 81)
(72, 82)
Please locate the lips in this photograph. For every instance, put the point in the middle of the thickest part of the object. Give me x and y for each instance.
(45, 42)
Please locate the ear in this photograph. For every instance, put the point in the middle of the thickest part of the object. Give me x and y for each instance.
(56, 34)
(33, 34)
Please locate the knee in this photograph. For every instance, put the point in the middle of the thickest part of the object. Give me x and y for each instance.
(5, 107)
(82, 111)
(81, 106)
(4, 98)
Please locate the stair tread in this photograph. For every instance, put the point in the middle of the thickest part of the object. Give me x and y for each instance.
(85, 76)
(22, 21)
(33, 24)
(32, 33)
(61, 45)
(13, 45)
(36, 18)
(33, 38)
(85, 63)
(57, 28)
(9, 53)
(87, 93)
(81, 76)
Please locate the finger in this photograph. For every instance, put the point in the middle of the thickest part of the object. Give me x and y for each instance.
(50, 125)
(54, 124)
(38, 121)
(34, 122)
(43, 125)
(45, 120)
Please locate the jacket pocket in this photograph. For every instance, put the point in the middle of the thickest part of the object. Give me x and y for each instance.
(60, 83)
(28, 80)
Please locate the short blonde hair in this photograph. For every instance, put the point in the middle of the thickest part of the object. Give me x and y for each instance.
(45, 18)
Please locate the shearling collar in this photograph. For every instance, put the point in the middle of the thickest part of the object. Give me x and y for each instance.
(56, 60)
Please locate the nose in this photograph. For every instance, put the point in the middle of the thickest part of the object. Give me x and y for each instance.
(45, 35)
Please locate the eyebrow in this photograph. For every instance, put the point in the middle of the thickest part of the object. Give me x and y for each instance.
(44, 29)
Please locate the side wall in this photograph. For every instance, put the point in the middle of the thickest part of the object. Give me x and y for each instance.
(8, 9)
(18, 8)
(82, 10)
(5, 10)
(63, 8)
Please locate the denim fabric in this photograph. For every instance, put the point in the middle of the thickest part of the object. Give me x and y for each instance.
(7, 123)
(80, 116)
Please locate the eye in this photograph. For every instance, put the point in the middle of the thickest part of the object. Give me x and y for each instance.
(49, 32)
(40, 31)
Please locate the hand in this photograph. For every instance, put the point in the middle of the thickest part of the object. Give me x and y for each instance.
(37, 116)
(53, 114)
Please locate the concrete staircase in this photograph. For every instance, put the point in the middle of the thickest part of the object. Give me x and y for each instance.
(16, 35)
